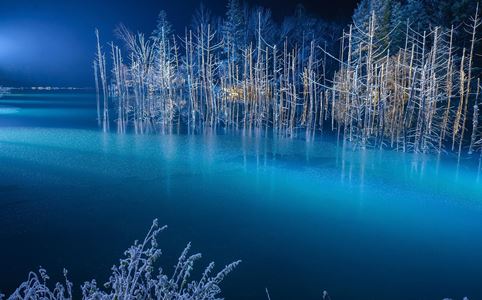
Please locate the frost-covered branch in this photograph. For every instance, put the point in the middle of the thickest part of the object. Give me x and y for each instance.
(135, 277)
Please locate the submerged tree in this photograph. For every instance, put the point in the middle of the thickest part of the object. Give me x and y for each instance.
(399, 80)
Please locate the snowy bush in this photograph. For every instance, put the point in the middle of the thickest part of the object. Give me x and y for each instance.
(134, 278)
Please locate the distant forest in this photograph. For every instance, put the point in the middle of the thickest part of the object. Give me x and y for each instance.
(402, 75)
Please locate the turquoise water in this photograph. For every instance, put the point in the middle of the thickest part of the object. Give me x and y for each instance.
(304, 216)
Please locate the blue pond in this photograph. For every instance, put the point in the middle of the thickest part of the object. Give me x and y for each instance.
(304, 216)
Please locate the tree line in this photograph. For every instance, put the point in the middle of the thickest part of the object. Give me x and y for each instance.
(402, 75)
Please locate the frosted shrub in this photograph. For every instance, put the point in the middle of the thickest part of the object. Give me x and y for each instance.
(36, 288)
(135, 278)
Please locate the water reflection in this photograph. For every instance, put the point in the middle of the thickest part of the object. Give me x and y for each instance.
(257, 195)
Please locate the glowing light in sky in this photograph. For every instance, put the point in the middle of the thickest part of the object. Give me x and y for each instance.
(6, 46)
(31, 50)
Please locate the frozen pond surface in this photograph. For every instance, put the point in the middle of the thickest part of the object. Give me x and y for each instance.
(303, 216)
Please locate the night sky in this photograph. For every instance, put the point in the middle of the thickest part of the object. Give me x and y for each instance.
(51, 42)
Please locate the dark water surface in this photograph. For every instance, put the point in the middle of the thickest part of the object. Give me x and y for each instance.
(303, 216)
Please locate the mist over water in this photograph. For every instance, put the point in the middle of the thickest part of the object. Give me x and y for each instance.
(304, 216)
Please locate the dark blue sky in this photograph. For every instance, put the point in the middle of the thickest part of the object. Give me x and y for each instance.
(51, 42)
